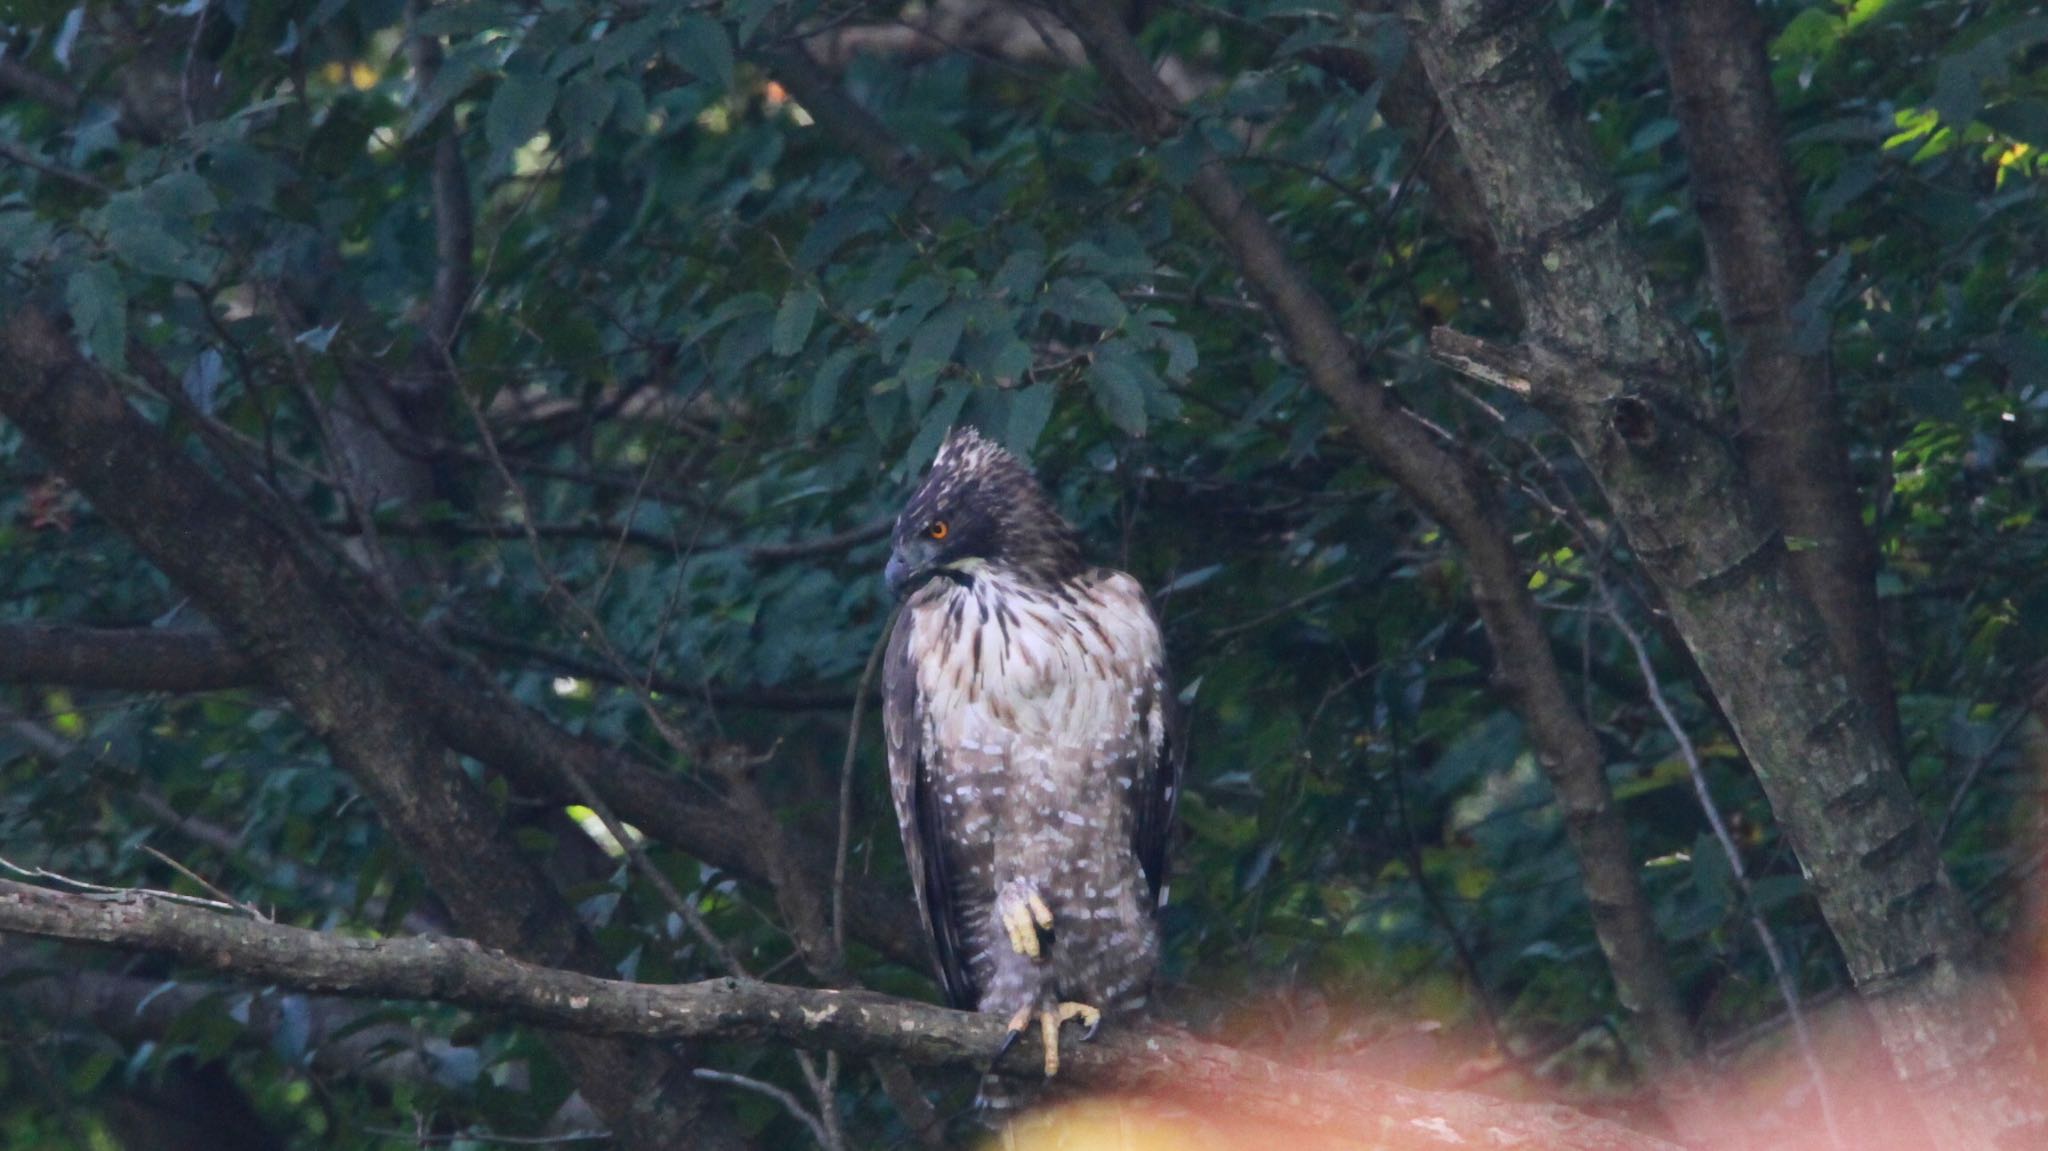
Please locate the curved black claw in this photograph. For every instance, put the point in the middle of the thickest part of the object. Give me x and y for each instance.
(1018, 1023)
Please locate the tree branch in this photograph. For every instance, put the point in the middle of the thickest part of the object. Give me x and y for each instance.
(460, 973)
(17, 77)
(1761, 262)
(121, 659)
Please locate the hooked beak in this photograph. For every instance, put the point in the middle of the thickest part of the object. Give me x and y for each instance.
(899, 574)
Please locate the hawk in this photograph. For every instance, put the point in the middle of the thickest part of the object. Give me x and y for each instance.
(1035, 749)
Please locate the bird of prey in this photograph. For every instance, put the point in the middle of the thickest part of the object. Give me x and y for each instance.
(1035, 749)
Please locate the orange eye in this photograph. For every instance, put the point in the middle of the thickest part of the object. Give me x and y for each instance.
(938, 530)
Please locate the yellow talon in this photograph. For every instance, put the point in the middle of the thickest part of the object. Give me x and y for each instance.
(1023, 915)
(1023, 935)
(1040, 912)
(1090, 1017)
(1049, 1029)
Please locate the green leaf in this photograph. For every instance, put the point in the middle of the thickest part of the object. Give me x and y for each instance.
(519, 110)
(1711, 875)
(627, 44)
(1652, 135)
(1018, 278)
(584, 107)
(1813, 32)
(1030, 408)
(793, 321)
(99, 310)
(1119, 382)
(2023, 120)
(1085, 302)
(936, 423)
(822, 398)
(932, 348)
(467, 19)
(460, 71)
(180, 195)
(1181, 357)
(88, 1074)
(145, 240)
(1812, 317)
(701, 47)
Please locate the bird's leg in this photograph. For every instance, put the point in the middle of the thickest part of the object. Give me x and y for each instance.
(1023, 914)
(1049, 1020)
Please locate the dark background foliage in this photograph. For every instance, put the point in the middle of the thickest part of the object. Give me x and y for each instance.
(703, 330)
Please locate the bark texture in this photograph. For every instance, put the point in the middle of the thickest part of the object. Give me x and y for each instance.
(459, 972)
(1760, 262)
(1450, 488)
(250, 578)
(126, 659)
(1625, 383)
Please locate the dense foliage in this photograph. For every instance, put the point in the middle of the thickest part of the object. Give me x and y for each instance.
(702, 328)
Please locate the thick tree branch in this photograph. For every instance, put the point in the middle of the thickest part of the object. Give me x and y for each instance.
(460, 973)
(764, 552)
(853, 127)
(1623, 379)
(17, 77)
(1761, 262)
(121, 659)
(1450, 488)
(340, 1036)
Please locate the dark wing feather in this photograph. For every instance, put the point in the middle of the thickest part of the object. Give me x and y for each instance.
(1159, 783)
(1160, 791)
(922, 821)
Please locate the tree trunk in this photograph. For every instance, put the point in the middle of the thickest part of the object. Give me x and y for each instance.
(1624, 381)
(1761, 262)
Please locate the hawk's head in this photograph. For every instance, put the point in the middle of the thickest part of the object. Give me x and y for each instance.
(980, 509)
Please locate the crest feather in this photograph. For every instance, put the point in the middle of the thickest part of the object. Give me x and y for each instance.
(1029, 536)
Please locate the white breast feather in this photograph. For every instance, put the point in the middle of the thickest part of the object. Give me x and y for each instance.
(1052, 680)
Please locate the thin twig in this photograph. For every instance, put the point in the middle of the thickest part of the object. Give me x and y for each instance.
(204, 882)
(86, 887)
(789, 1102)
(1286, 609)
(185, 73)
(423, 1138)
(860, 707)
(1788, 987)
(28, 159)
(1977, 763)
